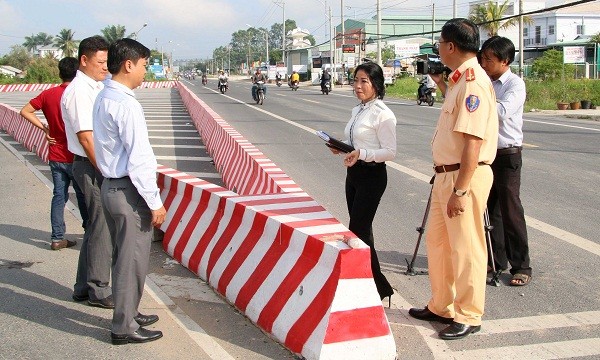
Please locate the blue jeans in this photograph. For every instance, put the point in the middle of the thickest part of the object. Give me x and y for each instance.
(62, 177)
(254, 91)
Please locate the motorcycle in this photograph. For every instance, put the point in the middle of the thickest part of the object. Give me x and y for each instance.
(204, 80)
(294, 85)
(325, 87)
(428, 96)
(260, 92)
(278, 82)
(223, 86)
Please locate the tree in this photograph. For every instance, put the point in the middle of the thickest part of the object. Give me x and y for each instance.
(43, 71)
(113, 33)
(41, 39)
(595, 38)
(488, 17)
(18, 57)
(65, 42)
(387, 53)
(550, 66)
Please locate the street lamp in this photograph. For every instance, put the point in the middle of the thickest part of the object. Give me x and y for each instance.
(266, 39)
(135, 34)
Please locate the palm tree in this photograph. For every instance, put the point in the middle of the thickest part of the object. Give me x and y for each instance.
(488, 17)
(44, 39)
(30, 43)
(64, 41)
(113, 33)
(595, 38)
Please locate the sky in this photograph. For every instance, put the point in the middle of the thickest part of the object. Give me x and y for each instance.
(191, 29)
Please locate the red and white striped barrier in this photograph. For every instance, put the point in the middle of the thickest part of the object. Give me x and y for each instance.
(279, 260)
(23, 131)
(243, 166)
(40, 87)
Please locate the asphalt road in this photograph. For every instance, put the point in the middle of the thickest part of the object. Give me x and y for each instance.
(560, 193)
(556, 316)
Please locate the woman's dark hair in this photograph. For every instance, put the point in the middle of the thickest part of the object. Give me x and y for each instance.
(375, 74)
(90, 46)
(463, 33)
(501, 47)
(67, 68)
(123, 50)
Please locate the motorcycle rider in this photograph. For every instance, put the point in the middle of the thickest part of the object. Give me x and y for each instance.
(223, 78)
(204, 78)
(426, 83)
(258, 76)
(325, 77)
(295, 78)
(278, 78)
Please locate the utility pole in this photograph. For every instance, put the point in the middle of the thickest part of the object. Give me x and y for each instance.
(454, 9)
(521, 38)
(432, 22)
(379, 60)
(332, 46)
(343, 30)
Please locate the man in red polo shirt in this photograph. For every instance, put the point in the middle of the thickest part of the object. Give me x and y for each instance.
(59, 157)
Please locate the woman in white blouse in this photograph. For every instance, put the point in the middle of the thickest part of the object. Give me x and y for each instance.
(372, 132)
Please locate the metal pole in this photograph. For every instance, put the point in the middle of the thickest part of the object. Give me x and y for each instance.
(521, 42)
(343, 32)
(267, 38)
(432, 22)
(283, 38)
(331, 49)
(454, 9)
(379, 60)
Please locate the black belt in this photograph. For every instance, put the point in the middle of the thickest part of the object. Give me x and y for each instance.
(370, 163)
(80, 158)
(121, 178)
(509, 150)
(453, 167)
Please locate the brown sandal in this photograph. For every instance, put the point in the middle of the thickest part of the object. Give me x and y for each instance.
(520, 280)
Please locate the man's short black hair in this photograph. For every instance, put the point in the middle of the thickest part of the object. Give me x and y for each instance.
(123, 50)
(67, 68)
(375, 74)
(91, 45)
(463, 33)
(501, 47)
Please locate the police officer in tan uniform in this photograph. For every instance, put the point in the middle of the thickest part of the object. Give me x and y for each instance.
(463, 146)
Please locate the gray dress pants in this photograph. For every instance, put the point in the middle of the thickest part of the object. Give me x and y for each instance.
(93, 270)
(130, 223)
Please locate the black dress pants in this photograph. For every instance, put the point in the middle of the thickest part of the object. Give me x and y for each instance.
(364, 187)
(509, 233)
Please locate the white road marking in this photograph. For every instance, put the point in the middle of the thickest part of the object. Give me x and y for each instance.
(312, 101)
(564, 125)
(554, 350)
(180, 158)
(179, 146)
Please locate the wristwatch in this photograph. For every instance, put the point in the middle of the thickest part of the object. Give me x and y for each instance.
(460, 193)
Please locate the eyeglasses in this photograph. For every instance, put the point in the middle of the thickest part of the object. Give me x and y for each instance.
(436, 46)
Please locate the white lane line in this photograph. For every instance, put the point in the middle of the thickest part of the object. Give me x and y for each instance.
(179, 146)
(174, 137)
(183, 158)
(553, 350)
(173, 130)
(312, 101)
(542, 322)
(194, 331)
(564, 125)
(563, 235)
(172, 125)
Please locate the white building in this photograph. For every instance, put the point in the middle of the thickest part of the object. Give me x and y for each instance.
(9, 71)
(550, 27)
(49, 51)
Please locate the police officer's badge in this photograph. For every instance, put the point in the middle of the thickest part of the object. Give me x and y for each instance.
(472, 103)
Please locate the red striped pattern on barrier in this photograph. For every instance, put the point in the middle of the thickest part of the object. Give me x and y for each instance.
(244, 168)
(273, 256)
(32, 138)
(40, 87)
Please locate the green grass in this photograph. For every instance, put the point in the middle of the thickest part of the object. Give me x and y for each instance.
(541, 95)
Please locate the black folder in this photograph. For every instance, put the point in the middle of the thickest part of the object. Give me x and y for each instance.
(335, 143)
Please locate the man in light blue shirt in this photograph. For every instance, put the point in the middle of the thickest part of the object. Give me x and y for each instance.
(509, 232)
(130, 195)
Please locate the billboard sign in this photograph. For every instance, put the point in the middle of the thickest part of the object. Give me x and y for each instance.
(573, 54)
(406, 50)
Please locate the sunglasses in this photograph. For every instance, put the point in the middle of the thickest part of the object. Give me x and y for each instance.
(436, 46)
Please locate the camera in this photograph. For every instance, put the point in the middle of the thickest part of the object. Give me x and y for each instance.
(431, 67)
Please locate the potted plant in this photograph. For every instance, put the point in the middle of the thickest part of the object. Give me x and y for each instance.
(575, 105)
(585, 102)
(561, 105)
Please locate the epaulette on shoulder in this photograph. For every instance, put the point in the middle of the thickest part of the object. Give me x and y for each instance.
(470, 74)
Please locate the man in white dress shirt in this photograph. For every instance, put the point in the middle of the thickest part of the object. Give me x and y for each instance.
(93, 270)
(130, 195)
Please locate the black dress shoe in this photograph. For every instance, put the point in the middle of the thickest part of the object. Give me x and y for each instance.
(145, 320)
(80, 297)
(458, 331)
(427, 315)
(106, 303)
(141, 335)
